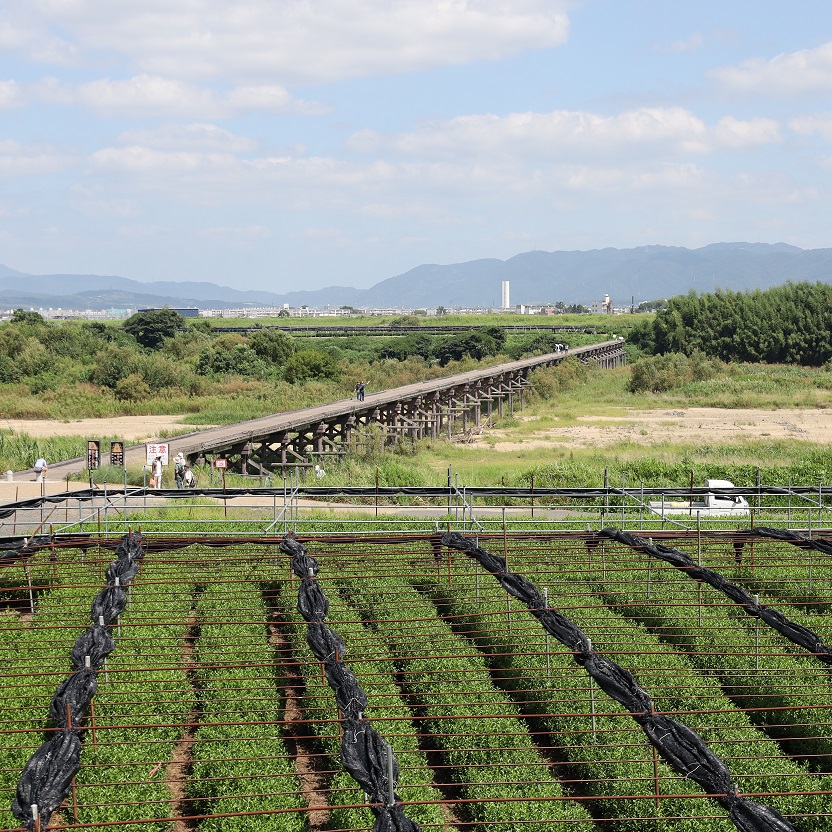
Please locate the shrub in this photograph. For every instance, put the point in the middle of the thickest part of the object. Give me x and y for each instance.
(151, 328)
(310, 364)
(476, 345)
(238, 359)
(186, 344)
(157, 370)
(34, 358)
(9, 371)
(21, 316)
(52, 379)
(417, 344)
(273, 346)
(548, 382)
(370, 443)
(111, 366)
(665, 372)
(132, 388)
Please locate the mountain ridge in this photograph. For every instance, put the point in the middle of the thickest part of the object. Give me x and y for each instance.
(642, 273)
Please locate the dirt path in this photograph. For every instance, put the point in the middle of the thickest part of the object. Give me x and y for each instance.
(647, 427)
(129, 428)
(696, 425)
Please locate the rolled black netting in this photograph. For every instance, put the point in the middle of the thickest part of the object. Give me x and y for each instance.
(794, 632)
(364, 754)
(47, 776)
(795, 538)
(682, 748)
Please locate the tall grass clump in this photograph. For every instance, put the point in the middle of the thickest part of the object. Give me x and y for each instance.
(664, 372)
(19, 450)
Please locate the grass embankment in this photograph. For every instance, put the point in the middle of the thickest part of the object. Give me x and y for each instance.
(564, 399)
(566, 395)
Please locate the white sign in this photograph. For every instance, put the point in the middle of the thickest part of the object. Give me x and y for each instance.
(221, 463)
(157, 449)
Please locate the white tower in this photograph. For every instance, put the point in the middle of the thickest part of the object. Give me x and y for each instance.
(506, 298)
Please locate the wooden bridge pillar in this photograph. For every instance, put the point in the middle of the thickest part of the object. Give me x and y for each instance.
(436, 416)
(320, 432)
(347, 428)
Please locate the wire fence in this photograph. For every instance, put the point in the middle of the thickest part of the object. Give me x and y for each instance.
(213, 713)
(293, 505)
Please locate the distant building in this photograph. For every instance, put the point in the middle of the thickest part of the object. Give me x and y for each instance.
(189, 312)
(527, 309)
(601, 307)
(506, 302)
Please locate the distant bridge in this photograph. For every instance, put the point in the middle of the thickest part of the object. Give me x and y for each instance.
(442, 406)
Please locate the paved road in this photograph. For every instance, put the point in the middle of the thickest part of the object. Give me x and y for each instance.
(196, 442)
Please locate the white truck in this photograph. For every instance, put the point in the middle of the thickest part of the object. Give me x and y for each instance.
(713, 505)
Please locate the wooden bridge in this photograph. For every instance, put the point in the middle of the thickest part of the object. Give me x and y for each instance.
(455, 404)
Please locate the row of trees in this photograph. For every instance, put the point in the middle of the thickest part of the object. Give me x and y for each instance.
(160, 350)
(477, 344)
(790, 324)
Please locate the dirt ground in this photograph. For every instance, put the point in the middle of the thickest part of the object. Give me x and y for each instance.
(130, 428)
(694, 424)
(691, 425)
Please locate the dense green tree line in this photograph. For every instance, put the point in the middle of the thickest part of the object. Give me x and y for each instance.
(159, 352)
(790, 324)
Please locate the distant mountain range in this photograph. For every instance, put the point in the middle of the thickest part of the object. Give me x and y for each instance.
(642, 274)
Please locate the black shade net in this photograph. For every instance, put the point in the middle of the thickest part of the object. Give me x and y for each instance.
(795, 538)
(794, 632)
(364, 754)
(682, 748)
(47, 776)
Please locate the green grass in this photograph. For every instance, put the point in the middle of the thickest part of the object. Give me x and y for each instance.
(600, 393)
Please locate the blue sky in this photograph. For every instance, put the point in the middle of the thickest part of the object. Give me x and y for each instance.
(287, 144)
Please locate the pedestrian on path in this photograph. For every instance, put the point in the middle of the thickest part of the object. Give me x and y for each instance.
(178, 469)
(156, 473)
(41, 469)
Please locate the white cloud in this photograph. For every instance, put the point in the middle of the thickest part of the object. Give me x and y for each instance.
(789, 73)
(98, 202)
(818, 124)
(736, 134)
(689, 45)
(27, 33)
(643, 132)
(144, 95)
(10, 94)
(191, 137)
(137, 159)
(21, 160)
(294, 40)
(152, 96)
(238, 236)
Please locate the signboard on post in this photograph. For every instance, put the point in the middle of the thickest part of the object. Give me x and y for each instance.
(117, 454)
(93, 454)
(154, 449)
(221, 463)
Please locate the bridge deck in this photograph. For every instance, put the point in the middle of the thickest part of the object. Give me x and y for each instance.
(226, 436)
